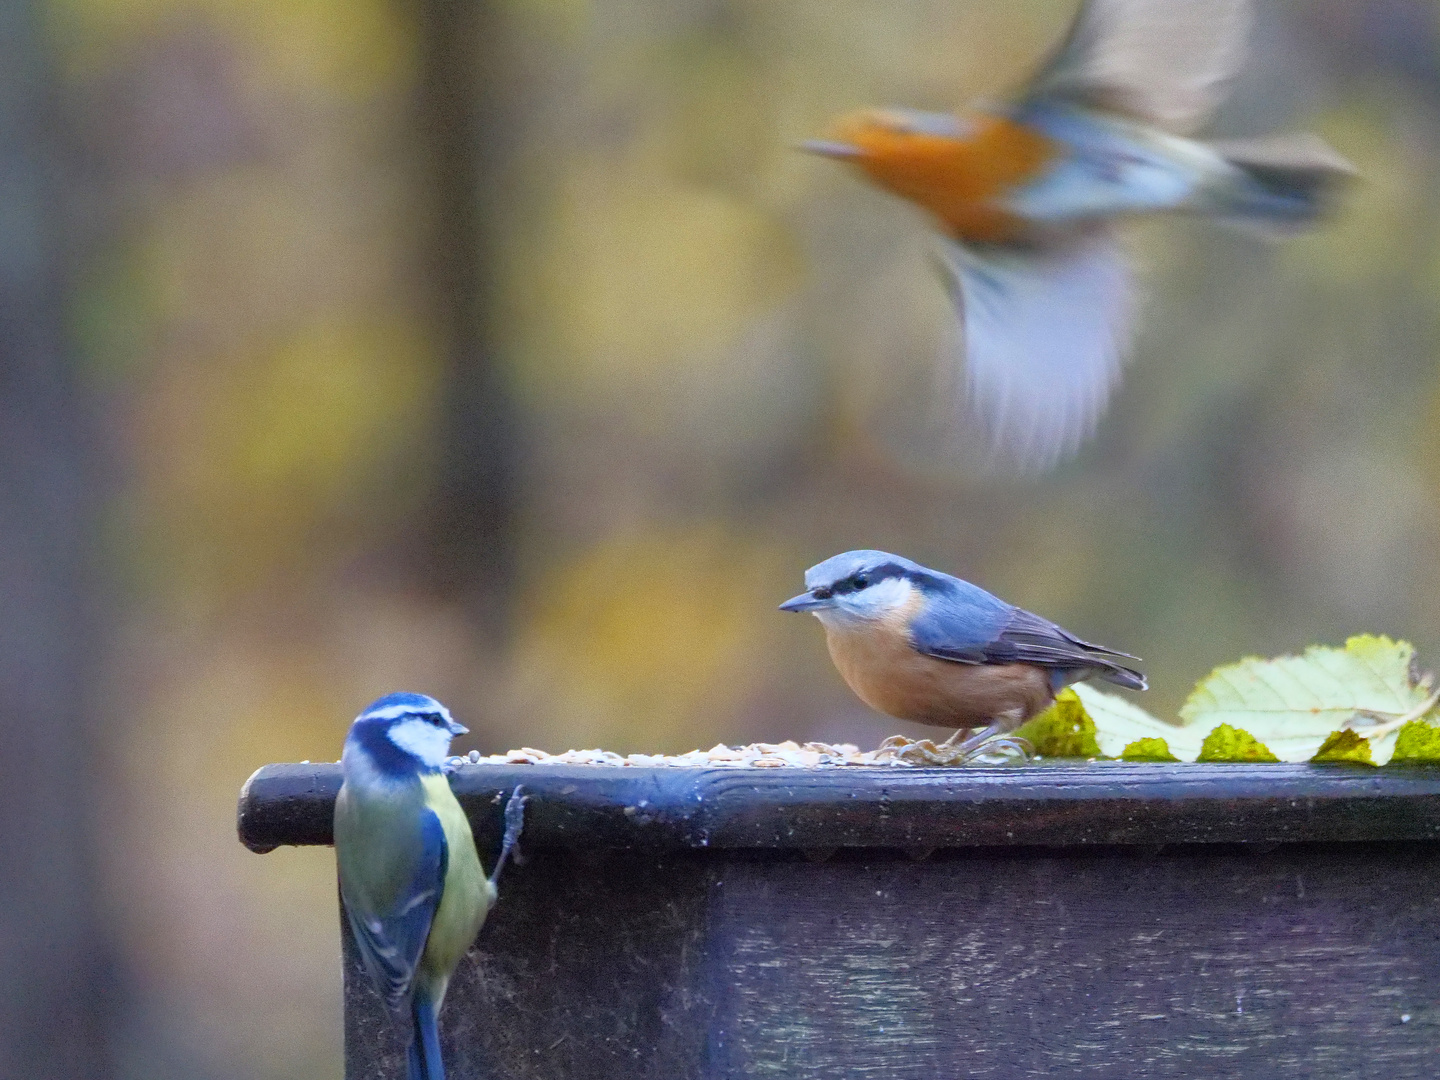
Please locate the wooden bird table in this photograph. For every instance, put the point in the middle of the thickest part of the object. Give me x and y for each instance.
(1046, 920)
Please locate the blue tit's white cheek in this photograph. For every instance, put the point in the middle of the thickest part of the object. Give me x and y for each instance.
(422, 739)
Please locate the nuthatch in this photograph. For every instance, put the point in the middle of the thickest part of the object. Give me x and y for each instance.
(924, 646)
(1026, 193)
(410, 878)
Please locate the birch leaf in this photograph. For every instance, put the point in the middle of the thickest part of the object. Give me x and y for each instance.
(1291, 705)
(1120, 723)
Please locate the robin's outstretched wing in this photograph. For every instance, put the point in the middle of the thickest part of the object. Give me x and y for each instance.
(1167, 62)
(1045, 335)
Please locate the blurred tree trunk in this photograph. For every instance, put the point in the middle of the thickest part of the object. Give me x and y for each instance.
(463, 126)
(56, 986)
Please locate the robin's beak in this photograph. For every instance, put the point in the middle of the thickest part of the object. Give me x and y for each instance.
(829, 148)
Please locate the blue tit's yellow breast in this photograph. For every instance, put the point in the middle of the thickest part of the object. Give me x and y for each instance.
(878, 661)
(467, 894)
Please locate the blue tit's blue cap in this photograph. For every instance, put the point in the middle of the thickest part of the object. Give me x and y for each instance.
(403, 703)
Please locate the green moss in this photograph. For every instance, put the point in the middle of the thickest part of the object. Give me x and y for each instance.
(1231, 744)
(1147, 750)
(1345, 746)
(1063, 730)
(1417, 743)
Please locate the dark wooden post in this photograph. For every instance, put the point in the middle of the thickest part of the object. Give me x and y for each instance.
(461, 117)
(57, 997)
(1061, 920)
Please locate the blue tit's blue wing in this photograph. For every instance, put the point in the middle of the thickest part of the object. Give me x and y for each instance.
(1163, 61)
(391, 941)
(1045, 335)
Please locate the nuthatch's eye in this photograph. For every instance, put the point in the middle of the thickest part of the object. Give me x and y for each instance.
(435, 719)
(860, 581)
(821, 593)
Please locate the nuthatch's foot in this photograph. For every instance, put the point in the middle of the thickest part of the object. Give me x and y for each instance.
(993, 750)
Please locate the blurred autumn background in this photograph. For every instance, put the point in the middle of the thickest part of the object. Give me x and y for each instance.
(507, 351)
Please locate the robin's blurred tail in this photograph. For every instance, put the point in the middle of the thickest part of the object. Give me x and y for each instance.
(1284, 183)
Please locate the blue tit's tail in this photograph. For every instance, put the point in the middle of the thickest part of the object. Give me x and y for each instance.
(1281, 185)
(424, 1061)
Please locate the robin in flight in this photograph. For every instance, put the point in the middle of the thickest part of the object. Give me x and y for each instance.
(1027, 194)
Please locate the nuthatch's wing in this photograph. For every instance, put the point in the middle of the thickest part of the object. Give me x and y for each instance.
(391, 935)
(1045, 335)
(959, 632)
(1167, 62)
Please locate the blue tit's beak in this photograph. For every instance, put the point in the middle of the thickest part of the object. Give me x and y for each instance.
(806, 601)
(457, 728)
(829, 148)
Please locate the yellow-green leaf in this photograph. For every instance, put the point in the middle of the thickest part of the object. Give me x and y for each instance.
(1232, 744)
(1345, 746)
(1417, 743)
(1063, 730)
(1147, 750)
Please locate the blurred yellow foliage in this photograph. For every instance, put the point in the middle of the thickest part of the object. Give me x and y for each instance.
(247, 457)
(647, 641)
(344, 47)
(631, 276)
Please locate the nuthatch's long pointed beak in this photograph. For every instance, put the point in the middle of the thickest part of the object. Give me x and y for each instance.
(457, 728)
(804, 602)
(829, 148)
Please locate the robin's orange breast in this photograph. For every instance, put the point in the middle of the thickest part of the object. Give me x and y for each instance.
(959, 180)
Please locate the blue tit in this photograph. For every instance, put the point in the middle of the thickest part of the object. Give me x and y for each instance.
(411, 882)
(924, 646)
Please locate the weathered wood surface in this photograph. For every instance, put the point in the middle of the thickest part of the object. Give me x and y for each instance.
(1197, 962)
(1058, 920)
(1061, 804)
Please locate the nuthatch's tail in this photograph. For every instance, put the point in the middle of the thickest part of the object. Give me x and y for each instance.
(423, 1062)
(1282, 184)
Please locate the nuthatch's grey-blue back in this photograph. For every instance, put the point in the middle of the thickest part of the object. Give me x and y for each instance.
(1025, 194)
(924, 646)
